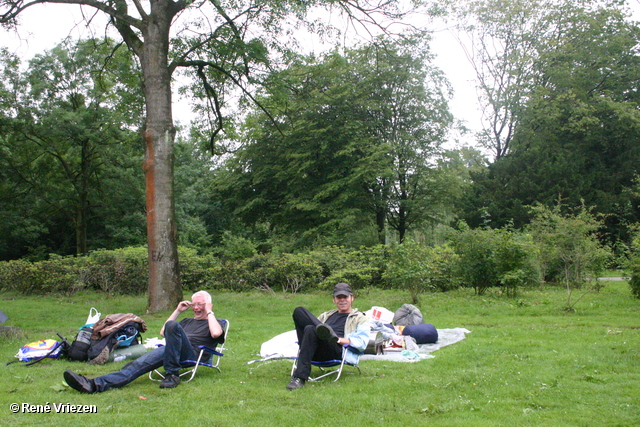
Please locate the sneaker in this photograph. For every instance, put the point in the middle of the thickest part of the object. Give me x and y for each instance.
(170, 381)
(79, 382)
(295, 383)
(325, 333)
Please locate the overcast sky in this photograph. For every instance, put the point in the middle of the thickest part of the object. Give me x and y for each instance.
(37, 34)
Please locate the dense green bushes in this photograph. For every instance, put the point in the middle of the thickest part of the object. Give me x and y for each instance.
(496, 258)
(411, 266)
(476, 258)
(633, 265)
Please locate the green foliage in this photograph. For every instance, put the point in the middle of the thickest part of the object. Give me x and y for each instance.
(296, 271)
(495, 257)
(418, 268)
(571, 89)
(633, 264)
(346, 148)
(360, 268)
(120, 271)
(235, 247)
(570, 243)
(58, 276)
(70, 157)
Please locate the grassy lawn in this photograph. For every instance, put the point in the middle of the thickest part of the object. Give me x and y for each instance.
(526, 362)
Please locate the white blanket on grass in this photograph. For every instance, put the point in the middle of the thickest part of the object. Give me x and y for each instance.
(285, 346)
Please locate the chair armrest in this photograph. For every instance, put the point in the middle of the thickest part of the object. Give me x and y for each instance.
(352, 349)
(210, 350)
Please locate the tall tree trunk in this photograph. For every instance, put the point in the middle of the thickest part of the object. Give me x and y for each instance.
(381, 221)
(402, 225)
(159, 134)
(83, 199)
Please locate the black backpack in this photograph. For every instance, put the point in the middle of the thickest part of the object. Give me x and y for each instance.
(79, 349)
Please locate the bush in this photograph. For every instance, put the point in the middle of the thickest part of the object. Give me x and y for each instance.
(52, 276)
(633, 265)
(570, 241)
(121, 271)
(360, 268)
(490, 257)
(418, 268)
(296, 271)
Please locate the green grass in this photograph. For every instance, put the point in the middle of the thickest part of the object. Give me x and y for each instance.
(526, 362)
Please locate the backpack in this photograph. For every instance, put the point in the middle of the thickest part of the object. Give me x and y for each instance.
(79, 350)
(100, 349)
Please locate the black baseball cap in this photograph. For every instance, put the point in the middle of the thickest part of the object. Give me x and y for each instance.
(342, 289)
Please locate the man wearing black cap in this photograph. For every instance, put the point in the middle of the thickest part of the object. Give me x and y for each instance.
(321, 338)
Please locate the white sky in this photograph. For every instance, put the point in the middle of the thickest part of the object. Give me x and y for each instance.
(37, 34)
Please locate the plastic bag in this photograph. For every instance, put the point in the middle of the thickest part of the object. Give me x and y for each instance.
(94, 316)
(381, 314)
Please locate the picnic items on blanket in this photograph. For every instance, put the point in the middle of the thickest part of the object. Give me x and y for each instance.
(408, 329)
(284, 346)
(375, 344)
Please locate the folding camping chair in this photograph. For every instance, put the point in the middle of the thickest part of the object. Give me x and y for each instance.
(338, 363)
(191, 366)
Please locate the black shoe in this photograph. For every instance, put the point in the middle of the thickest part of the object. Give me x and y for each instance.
(79, 382)
(170, 381)
(295, 383)
(325, 333)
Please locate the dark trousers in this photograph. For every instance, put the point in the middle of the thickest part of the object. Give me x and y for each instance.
(177, 348)
(311, 347)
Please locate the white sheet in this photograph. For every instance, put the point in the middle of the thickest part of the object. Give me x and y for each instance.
(284, 346)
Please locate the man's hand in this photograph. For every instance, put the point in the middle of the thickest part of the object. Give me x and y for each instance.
(183, 306)
(208, 307)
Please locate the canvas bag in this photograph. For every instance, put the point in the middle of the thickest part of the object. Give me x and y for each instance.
(406, 315)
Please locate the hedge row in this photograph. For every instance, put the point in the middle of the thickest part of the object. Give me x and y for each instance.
(125, 271)
(412, 266)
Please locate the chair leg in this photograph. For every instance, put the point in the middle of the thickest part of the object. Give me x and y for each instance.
(155, 371)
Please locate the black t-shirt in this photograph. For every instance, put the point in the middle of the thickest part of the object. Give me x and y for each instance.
(198, 333)
(337, 322)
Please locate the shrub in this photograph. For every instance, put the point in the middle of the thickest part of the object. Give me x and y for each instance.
(570, 241)
(490, 257)
(418, 268)
(58, 275)
(236, 248)
(633, 265)
(296, 271)
(120, 271)
(360, 268)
